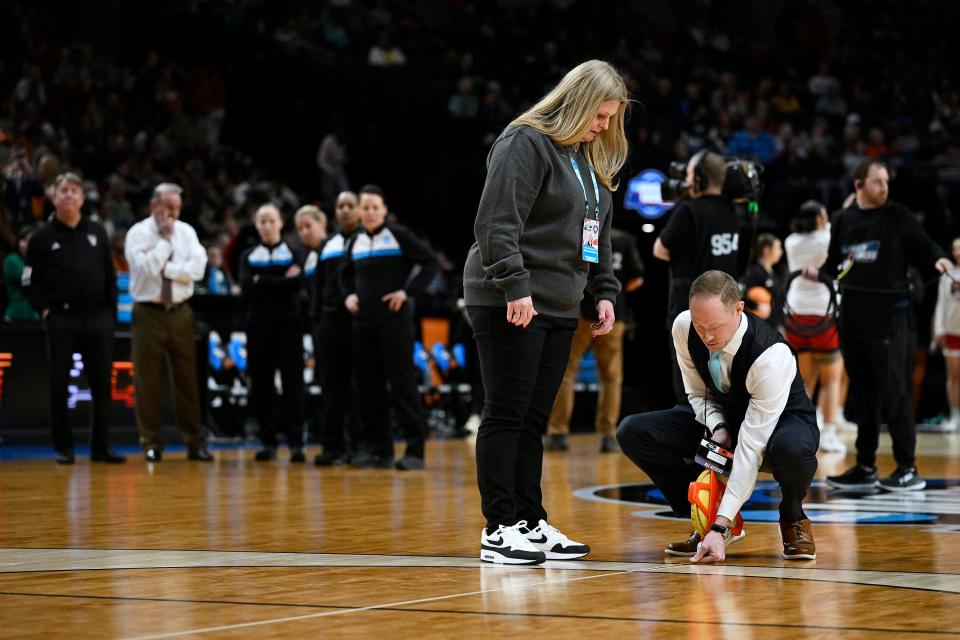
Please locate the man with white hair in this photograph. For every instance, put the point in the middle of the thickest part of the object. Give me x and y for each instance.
(165, 258)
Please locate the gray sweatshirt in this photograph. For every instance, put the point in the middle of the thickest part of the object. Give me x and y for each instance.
(529, 229)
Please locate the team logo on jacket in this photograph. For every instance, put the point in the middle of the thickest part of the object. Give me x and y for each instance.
(938, 506)
(92, 239)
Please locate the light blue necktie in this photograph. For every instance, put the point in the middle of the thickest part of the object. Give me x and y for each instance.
(714, 366)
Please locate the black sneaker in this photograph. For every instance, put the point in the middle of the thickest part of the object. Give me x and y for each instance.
(609, 445)
(555, 443)
(367, 461)
(327, 459)
(903, 479)
(265, 455)
(297, 456)
(410, 463)
(856, 478)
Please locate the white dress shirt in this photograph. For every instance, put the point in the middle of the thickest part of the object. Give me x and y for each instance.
(768, 383)
(181, 259)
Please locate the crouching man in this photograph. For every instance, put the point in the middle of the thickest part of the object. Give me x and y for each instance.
(744, 386)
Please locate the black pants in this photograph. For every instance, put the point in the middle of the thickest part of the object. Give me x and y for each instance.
(384, 355)
(341, 411)
(522, 370)
(880, 393)
(661, 443)
(271, 347)
(90, 335)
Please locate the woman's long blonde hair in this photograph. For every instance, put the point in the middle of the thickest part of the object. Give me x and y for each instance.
(567, 112)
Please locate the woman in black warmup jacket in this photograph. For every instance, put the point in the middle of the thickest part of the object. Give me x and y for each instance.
(271, 278)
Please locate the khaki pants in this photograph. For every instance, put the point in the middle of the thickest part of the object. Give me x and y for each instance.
(159, 336)
(608, 350)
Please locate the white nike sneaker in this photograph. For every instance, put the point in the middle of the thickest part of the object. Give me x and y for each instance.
(554, 544)
(830, 442)
(508, 545)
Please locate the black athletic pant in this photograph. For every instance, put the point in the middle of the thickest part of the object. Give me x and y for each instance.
(340, 407)
(661, 442)
(271, 347)
(880, 392)
(522, 370)
(91, 335)
(384, 354)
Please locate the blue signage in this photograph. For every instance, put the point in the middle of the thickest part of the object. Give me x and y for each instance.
(643, 194)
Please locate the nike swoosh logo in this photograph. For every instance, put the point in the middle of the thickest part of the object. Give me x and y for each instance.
(540, 541)
(498, 542)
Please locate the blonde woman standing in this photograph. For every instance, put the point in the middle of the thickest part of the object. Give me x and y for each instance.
(542, 236)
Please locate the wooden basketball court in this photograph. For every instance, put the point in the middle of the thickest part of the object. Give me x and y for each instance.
(239, 549)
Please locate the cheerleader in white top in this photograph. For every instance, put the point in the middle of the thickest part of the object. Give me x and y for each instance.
(809, 331)
(946, 333)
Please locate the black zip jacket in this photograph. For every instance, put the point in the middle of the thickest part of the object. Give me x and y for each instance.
(70, 270)
(270, 294)
(382, 261)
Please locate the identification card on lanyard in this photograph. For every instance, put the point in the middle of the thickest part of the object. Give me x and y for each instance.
(590, 244)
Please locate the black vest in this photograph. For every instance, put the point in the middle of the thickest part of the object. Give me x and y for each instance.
(758, 337)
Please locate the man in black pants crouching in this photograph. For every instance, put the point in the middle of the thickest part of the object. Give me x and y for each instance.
(743, 384)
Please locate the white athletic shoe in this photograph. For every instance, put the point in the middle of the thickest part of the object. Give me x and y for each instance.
(830, 442)
(554, 544)
(508, 545)
(472, 425)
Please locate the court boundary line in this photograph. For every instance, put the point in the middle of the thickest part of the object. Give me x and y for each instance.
(244, 625)
(411, 555)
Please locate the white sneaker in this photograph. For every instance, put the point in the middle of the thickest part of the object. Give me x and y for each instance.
(472, 425)
(508, 545)
(830, 442)
(554, 544)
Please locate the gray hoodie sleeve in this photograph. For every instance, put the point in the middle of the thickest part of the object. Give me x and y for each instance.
(515, 171)
(601, 283)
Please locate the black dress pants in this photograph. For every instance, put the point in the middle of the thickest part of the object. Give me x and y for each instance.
(880, 392)
(661, 443)
(91, 335)
(384, 355)
(341, 411)
(522, 369)
(276, 346)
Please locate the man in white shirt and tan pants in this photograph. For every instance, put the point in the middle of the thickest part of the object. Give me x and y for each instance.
(743, 385)
(165, 258)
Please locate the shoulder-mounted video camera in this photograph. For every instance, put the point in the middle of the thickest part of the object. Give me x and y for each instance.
(741, 182)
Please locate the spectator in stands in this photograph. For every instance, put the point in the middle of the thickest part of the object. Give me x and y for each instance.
(165, 259)
(217, 281)
(753, 143)
(18, 307)
(385, 53)
(332, 162)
